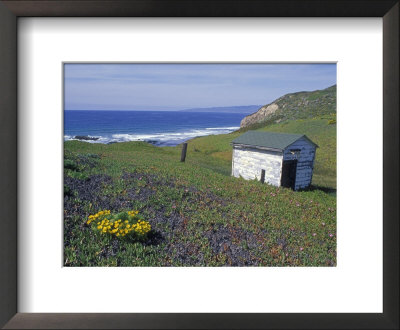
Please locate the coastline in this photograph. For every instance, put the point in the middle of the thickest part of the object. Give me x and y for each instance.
(156, 139)
(160, 128)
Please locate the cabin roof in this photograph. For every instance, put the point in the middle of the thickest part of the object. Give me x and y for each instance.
(269, 140)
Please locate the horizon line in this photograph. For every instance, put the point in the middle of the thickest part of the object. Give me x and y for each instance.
(194, 108)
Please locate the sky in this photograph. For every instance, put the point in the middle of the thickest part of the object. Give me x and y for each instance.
(185, 86)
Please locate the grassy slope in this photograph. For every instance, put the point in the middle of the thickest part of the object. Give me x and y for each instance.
(302, 105)
(306, 105)
(205, 149)
(201, 214)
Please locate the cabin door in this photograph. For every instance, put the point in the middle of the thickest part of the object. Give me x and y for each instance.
(289, 168)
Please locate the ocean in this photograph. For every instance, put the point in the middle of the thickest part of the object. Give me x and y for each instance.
(161, 128)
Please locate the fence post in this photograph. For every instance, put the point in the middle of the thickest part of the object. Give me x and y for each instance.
(183, 154)
(262, 176)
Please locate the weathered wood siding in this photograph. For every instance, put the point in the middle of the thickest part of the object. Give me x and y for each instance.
(248, 163)
(305, 161)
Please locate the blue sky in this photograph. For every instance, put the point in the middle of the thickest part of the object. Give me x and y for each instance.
(183, 86)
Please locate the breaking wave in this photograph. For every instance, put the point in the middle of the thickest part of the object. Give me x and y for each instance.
(160, 139)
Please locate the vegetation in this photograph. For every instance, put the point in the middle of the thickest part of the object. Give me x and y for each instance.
(320, 130)
(120, 225)
(300, 105)
(303, 105)
(199, 215)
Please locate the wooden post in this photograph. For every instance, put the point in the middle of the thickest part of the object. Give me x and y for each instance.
(183, 154)
(262, 176)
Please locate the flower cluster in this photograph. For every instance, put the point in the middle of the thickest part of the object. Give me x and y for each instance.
(133, 213)
(97, 215)
(141, 227)
(119, 225)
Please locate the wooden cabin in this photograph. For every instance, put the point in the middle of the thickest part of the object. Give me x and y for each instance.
(279, 159)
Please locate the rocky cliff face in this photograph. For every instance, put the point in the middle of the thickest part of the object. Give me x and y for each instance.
(261, 115)
(299, 105)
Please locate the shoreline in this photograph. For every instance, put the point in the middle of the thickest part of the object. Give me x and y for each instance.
(154, 141)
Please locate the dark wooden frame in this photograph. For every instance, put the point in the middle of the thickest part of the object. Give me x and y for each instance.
(11, 10)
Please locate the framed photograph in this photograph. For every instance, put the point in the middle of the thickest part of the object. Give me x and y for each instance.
(181, 158)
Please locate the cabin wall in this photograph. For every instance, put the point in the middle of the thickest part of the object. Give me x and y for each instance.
(305, 162)
(248, 163)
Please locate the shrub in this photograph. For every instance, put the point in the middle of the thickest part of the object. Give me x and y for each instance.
(67, 191)
(122, 224)
(77, 175)
(71, 165)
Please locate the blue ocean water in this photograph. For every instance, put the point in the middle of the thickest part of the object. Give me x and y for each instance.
(163, 128)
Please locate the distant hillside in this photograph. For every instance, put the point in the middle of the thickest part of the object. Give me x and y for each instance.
(235, 109)
(300, 105)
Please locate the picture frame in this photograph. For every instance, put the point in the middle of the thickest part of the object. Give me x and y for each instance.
(9, 13)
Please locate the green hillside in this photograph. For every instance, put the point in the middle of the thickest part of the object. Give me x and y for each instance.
(300, 105)
(321, 130)
(304, 105)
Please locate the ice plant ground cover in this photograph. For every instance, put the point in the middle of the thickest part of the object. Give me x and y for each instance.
(199, 215)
